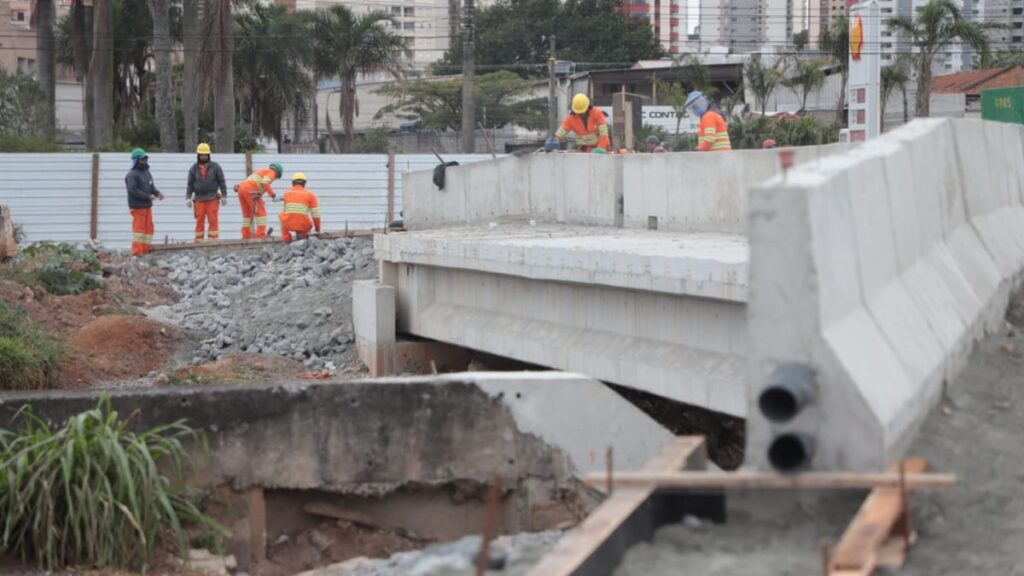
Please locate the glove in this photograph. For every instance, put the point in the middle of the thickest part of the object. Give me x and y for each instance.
(188, 203)
(159, 195)
(551, 144)
(223, 201)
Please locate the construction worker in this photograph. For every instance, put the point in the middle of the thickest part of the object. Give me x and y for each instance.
(300, 206)
(588, 123)
(141, 192)
(653, 145)
(206, 193)
(768, 144)
(712, 132)
(250, 198)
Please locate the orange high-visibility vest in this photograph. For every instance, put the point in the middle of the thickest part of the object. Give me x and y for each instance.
(259, 182)
(591, 129)
(299, 206)
(713, 133)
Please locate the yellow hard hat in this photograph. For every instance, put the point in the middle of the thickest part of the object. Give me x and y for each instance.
(203, 148)
(580, 103)
(298, 177)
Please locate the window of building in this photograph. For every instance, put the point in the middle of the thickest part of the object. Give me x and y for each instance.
(886, 44)
(20, 16)
(396, 10)
(1018, 24)
(408, 25)
(1018, 11)
(410, 11)
(886, 10)
(1018, 38)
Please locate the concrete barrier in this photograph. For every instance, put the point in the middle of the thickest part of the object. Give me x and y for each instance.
(872, 274)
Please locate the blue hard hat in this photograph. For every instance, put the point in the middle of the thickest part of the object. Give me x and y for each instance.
(693, 96)
(551, 144)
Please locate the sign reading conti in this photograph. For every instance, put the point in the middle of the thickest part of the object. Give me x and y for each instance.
(664, 117)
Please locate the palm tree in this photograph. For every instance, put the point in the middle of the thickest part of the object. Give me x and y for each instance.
(761, 80)
(895, 75)
(938, 24)
(101, 69)
(165, 95)
(272, 76)
(43, 19)
(216, 71)
(190, 41)
(347, 46)
(807, 78)
(836, 42)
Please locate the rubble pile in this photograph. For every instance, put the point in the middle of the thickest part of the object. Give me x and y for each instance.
(295, 301)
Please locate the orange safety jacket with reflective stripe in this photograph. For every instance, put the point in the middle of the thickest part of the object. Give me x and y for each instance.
(299, 206)
(591, 129)
(258, 183)
(713, 133)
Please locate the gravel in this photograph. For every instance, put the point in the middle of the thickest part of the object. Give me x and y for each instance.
(294, 300)
(509, 556)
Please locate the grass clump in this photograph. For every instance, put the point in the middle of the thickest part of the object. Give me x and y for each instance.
(91, 493)
(62, 269)
(29, 357)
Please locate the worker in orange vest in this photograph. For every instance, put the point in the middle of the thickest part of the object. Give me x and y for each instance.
(588, 123)
(300, 207)
(712, 132)
(250, 198)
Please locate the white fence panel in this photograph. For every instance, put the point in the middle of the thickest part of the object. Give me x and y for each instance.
(49, 194)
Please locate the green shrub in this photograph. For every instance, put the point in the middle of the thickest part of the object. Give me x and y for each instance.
(29, 357)
(91, 493)
(60, 268)
(750, 133)
(22, 143)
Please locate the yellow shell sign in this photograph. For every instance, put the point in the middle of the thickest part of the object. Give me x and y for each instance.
(856, 38)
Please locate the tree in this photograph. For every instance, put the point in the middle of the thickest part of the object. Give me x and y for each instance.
(23, 107)
(800, 40)
(761, 80)
(191, 45)
(43, 18)
(216, 71)
(895, 75)
(1006, 58)
(101, 70)
(936, 25)
(346, 46)
(835, 41)
(165, 94)
(592, 33)
(807, 77)
(693, 74)
(272, 76)
(673, 94)
(437, 104)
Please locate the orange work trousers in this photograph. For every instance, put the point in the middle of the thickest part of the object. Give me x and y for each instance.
(142, 230)
(253, 208)
(206, 213)
(289, 224)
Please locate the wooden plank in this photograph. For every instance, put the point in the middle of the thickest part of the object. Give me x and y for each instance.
(871, 528)
(608, 526)
(391, 190)
(94, 201)
(768, 480)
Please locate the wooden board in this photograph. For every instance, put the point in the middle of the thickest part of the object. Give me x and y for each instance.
(593, 547)
(864, 543)
(769, 480)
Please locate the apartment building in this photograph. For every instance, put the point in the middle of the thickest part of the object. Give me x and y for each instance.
(734, 24)
(667, 18)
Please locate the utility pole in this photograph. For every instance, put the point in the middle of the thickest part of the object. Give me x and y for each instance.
(468, 81)
(552, 98)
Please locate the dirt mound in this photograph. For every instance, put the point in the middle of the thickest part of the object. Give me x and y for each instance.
(118, 347)
(238, 369)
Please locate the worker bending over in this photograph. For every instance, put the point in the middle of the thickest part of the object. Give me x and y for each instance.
(206, 193)
(300, 206)
(250, 198)
(588, 123)
(712, 132)
(141, 192)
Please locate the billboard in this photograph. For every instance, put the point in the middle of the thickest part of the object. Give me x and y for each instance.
(664, 117)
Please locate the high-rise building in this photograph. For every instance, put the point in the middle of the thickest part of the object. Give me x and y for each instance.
(667, 19)
(734, 24)
(1007, 13)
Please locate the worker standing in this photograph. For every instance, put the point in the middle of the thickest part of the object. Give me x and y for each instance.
(588, 123)
(250, 198)
(301, 210)
(141, 192)
(206, 193)
(712, 132)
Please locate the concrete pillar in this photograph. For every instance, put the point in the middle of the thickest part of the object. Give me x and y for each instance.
(8, 247)
(373, 314)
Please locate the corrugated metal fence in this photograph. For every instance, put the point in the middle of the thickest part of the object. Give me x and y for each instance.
(51, 194)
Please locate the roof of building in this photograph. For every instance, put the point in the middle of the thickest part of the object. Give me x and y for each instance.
(974, 81)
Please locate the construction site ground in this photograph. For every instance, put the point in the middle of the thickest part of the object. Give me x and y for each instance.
(977, 527)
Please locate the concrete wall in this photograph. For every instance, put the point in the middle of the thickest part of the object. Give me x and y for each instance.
(689, 192)
(878, 270)
(374, 437)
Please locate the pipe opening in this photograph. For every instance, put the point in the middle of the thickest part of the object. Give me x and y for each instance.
(779, 404)
(790, 452)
